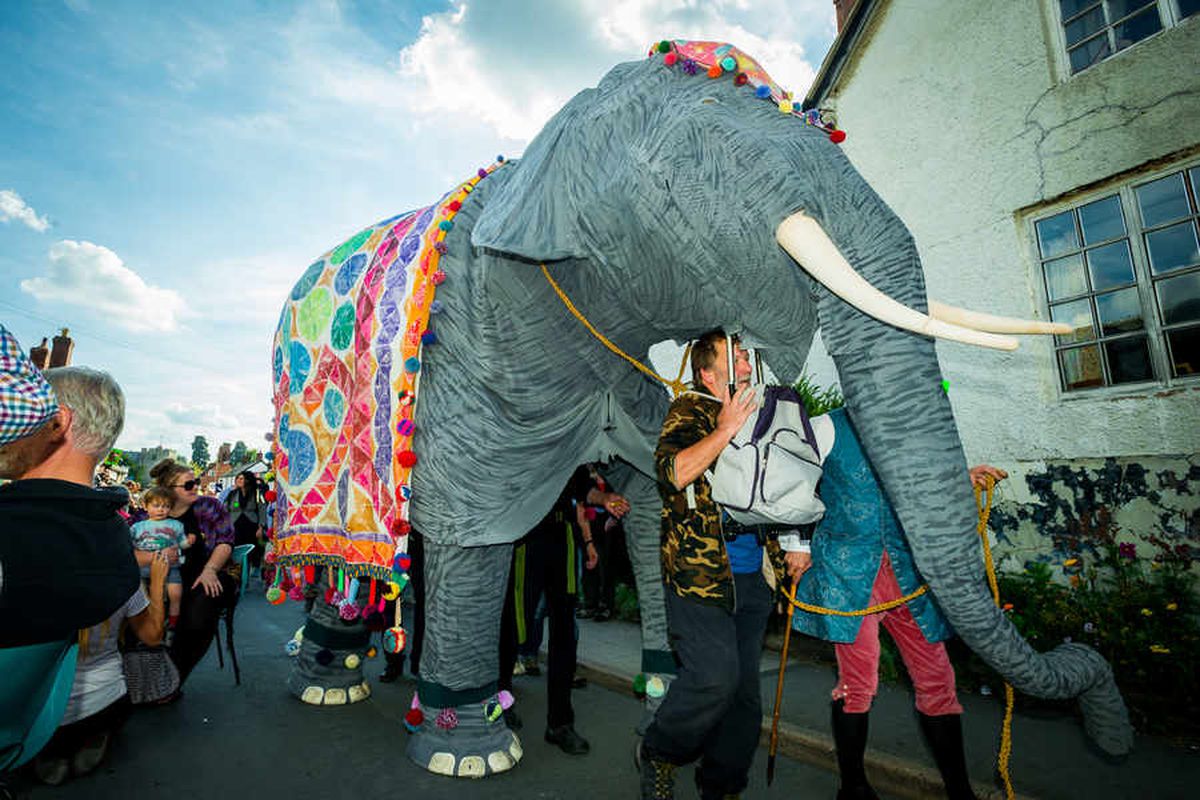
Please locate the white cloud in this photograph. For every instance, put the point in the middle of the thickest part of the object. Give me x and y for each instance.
(510, 66)
(92, 276)
(13, 207)
(203, 415)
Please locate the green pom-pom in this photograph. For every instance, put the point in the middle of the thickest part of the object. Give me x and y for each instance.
(639, 684)
(664, 46)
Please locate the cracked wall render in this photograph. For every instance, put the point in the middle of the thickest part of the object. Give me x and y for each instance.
(956, 115)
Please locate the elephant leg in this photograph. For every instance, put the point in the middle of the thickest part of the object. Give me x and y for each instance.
(462, 732)
(642, 533)
(328, 667)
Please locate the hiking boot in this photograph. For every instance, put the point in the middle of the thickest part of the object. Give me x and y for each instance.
(657, 777)
(90, 755)
(567, 740)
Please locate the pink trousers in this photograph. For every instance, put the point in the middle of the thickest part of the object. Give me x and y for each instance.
(928, 664)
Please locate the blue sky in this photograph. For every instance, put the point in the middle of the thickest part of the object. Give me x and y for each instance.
(169, 169)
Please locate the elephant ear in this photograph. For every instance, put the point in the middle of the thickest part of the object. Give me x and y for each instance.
(535, 215)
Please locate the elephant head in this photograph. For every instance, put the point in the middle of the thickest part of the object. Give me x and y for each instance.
(670, 202)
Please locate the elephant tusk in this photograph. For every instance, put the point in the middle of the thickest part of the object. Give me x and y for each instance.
(977, 320)
(804, 239)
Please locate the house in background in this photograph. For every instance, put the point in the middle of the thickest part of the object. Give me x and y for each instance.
(1045, 155)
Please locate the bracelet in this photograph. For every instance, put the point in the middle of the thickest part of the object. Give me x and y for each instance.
(587, 541)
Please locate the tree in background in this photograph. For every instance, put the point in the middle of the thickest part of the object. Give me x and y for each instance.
(239, 453)
(200, 454)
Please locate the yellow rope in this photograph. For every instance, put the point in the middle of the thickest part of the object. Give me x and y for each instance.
(983, 501)
(676, 386)
(888, 606)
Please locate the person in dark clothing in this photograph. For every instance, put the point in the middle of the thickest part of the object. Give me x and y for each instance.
(248, 513)
(544, 561)
(66, 562)
(210, 583)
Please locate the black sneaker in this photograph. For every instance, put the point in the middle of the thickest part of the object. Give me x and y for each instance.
(391, 673)
(567, 740)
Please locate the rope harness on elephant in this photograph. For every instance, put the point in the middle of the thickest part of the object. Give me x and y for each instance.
(677, 386)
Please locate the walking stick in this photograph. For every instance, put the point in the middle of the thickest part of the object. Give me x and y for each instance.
(787, 637)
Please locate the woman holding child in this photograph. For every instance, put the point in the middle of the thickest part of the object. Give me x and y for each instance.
(208, 583)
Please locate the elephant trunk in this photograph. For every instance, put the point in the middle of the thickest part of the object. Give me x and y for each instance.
(893, 390)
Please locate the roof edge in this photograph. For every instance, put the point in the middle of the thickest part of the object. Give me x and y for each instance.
(845, 43)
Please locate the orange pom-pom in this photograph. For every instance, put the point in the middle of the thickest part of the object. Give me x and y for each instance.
(715, 71)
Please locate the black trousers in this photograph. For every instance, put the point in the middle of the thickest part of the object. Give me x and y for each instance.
(713, 710)
(416, 575)
(544, 561)
(246, 532)
(599, 588)
(198, 617)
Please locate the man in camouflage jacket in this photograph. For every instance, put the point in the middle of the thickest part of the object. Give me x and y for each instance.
(719, 594)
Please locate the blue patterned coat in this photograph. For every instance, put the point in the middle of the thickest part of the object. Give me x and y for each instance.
(848, 546)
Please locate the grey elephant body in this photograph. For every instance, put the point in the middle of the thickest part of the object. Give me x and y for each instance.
(653, 200)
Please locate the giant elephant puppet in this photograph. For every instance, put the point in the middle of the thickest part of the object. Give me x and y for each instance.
(673, 198)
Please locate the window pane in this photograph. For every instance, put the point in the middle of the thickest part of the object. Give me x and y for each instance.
(1188, 7)
(1172, 248)
(1102, 220)
(1185, 351)
(1179, 298)
(1123, 8)
(1195, 171)
(1119, 312)
(1129, 360)
(1083, 27)
(1079, 316)
(1057, 235)
(1090, 52)
(1081, 367)
(1065, 278)
(1135, 29)
(1110, 265)
(1072, 7)
(1163, 200)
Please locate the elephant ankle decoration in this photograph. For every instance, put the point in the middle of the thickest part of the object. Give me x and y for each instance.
(428, 377)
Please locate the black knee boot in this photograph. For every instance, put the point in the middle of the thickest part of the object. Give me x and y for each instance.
(944, 734)
(850, 740)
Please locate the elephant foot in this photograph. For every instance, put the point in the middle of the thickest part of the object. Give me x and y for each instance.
(468, 741)
(322, 676)
(1105, 718)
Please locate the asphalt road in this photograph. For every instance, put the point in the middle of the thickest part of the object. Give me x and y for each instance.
(223, 741)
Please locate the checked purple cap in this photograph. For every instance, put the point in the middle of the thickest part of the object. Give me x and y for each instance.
(26, 397)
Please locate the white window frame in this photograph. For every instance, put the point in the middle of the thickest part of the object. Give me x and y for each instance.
(1135, 231)
(1168, 11)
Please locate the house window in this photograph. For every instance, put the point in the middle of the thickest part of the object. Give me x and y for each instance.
(1123, 270)
(1093, 30)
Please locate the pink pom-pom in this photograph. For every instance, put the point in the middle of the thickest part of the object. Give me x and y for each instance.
(348, 611)
(447, 719)
(416, 701)
(506, 699)
(295, 593)
(670, 58)
(439, 277)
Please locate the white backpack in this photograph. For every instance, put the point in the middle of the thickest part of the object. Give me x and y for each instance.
(768, 473)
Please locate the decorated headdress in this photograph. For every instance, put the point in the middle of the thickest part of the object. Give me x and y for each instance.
(719, 60)
(26, 397)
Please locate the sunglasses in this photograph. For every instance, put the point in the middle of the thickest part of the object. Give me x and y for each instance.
(187, 485)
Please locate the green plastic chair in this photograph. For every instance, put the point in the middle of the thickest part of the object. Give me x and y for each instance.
(33, 696)
(240, 554)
